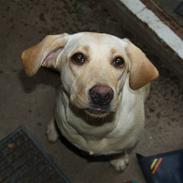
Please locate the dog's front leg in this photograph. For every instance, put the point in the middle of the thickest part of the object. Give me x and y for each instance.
(120, 162)
(51, 131)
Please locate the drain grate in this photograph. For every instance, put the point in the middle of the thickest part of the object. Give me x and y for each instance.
(22, 161)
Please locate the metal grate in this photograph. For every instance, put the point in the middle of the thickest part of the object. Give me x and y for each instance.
(22, 161)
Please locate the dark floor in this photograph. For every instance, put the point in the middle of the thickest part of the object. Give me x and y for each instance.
(30, 101)
(173, 9)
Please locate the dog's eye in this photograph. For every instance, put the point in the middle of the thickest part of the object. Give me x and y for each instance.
(78, 58)
(118, 62)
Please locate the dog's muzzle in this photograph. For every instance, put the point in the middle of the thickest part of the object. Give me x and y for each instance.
(101, 95)
(100, 100)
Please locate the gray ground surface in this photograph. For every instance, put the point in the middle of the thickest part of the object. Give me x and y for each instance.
(30, 101)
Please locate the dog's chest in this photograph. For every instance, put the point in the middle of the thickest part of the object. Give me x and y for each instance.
(107, 139)
(113, 137)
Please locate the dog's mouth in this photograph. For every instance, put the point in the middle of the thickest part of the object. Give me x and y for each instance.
(97, 112)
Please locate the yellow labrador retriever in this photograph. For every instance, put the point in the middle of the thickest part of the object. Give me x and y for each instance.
(105, 80)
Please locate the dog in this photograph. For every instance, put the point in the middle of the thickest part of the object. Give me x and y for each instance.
(104, 83)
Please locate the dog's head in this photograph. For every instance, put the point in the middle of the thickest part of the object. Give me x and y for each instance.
(93, 68)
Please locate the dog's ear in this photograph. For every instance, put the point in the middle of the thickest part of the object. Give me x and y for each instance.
(142, 71)
(44, 53)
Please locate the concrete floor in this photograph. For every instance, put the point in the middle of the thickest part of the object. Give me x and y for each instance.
(30, 102)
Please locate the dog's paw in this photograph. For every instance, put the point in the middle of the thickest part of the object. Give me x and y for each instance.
(121, 163)
(51, 132)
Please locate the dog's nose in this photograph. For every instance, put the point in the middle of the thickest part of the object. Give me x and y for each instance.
(101, 95)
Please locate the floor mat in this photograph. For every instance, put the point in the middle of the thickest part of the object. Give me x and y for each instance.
(22, 161)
